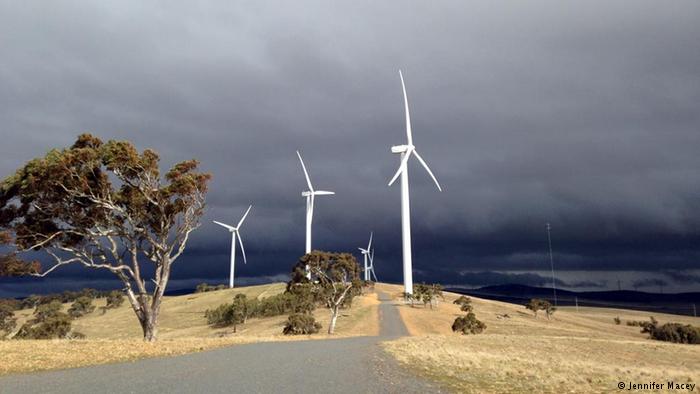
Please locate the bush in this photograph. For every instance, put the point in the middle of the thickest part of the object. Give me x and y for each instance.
(465, 304)
(204, 287)
(617, 320)
(114, 299)
(81, 307)
(8, 321)
(537, 304)
(676, 333)
(468, 324)
(46, 311)
(301, 324)
(56, 326)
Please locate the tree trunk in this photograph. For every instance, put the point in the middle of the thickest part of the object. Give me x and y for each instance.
(150, 330)
(334, 318)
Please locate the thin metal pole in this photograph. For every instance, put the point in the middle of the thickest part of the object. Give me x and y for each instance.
(551, 262)
(695, 312)
(576, 298)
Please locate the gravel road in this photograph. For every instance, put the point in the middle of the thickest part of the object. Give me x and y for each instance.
(350, 365)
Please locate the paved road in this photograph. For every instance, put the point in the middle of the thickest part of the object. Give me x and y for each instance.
(351, 365)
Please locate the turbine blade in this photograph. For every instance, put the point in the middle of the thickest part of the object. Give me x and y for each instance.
(306, 174)
(402, 166)
(244, 216)
(224, 225)
(369, 247)
(240, 242)
(311, 209)
(427, 169)
(408, 115)
(323, 193)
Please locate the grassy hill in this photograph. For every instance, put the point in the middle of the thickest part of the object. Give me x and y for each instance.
(116, 336)
(582, 351)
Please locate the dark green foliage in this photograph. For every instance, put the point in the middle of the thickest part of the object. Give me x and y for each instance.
(8, 321)
(57, 326)
(44, 312)
(427, 294)
(48, 323)
(335, 279)
(537, 304)
(204, 288)
(81, 307)
(296, 300)
(114, 299)
(468, 324)
(301, 324)
(617, 320)
(676, 333)
(465, 304)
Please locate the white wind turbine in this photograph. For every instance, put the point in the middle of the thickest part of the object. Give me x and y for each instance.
(310, 197)
(371, 266)
(235, 233)
(366, 255)
(406, 151)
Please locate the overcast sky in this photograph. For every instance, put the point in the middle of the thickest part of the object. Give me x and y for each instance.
(584, 114)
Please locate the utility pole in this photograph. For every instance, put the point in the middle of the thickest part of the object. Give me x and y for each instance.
(551, 262)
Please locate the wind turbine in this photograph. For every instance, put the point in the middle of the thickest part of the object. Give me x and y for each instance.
(310, 197)
(235, 233)
(366, 255)
(371, 266)
(406, 151)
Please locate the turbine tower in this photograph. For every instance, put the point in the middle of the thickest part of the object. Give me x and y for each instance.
(371, 266)
(406, 151)
(366, 255)
(310, 197)
(235, 233)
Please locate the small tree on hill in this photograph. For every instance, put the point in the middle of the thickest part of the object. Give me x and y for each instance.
(81, 307)
(468, 324)
(106, 206)
(336, 277)
(536, 304)
(115, 299)
(465, 304)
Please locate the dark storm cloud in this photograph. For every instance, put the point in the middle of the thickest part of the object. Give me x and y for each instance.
(649, 283)
(582, 114)
(683, 277)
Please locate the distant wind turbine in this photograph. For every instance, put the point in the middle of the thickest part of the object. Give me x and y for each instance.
(366, 255)
(406, 151)
(310, 197)
(371, 266)
(551, 262)
(235, 233)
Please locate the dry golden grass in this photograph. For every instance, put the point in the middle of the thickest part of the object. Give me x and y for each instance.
(582, 351)
(115, 336)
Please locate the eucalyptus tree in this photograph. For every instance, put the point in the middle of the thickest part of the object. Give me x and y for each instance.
(335, 276)
(106, 206)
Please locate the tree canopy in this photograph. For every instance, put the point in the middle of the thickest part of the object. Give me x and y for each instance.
(106, 206)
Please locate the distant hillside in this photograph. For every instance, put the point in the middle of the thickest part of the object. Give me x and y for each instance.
(679, 303)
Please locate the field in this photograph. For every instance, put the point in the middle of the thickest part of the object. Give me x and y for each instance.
(575, 351)
(116, 335)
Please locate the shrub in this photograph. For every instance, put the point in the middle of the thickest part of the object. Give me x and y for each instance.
(465, 304)
(537, 304)
(301, 324)
(57, 326)
(204, 287)
(468, 324)
(617, 320)
(114, 299)
(81, 307)
(8, 321)
(676, 333)
(46, 311)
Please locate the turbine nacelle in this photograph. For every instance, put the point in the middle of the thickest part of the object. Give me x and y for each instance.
(402, 148)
